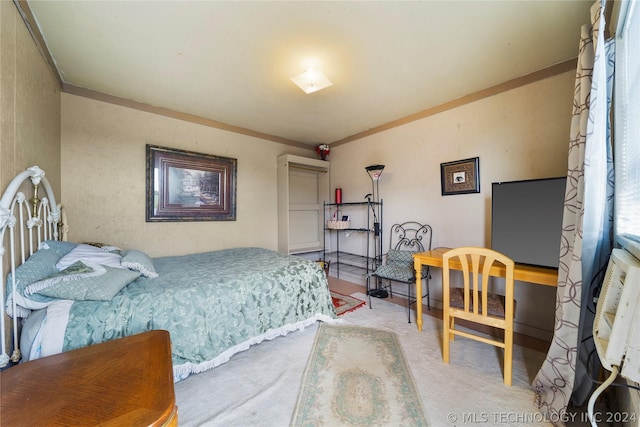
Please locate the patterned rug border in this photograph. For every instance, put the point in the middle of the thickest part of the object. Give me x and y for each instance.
(324, 371)
(350, 303)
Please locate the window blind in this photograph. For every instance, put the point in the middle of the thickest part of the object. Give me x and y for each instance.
(627, 129)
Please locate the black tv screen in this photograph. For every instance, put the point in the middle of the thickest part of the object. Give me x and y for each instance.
(526, 220)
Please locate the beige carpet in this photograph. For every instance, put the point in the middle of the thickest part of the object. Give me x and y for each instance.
(357, 376)
(259, 387)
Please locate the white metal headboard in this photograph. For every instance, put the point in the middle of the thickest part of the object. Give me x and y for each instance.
(28, 222)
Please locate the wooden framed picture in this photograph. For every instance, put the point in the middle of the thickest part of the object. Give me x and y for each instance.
(460, 177)
(188, 186)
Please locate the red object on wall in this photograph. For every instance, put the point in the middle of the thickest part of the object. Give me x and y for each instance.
(338, 195)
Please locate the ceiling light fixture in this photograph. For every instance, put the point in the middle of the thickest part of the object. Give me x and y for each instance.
(311, 80)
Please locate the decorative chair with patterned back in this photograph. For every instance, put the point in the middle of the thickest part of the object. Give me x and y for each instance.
(474, 303)
(405, 240)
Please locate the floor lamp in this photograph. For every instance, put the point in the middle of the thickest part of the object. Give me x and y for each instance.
(374, 172)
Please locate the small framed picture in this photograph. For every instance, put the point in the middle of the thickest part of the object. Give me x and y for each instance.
(460, 177)
(345, 217)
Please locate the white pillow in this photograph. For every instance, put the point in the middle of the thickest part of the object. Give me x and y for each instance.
(89, 255)
(139, 261)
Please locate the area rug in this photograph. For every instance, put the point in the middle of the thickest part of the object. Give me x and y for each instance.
(357, 376)
(345, 303)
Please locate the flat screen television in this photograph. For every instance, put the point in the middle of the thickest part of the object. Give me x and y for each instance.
(526, 220)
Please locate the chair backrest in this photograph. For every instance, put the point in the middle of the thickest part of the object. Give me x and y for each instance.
(476, 264)
(410, 236)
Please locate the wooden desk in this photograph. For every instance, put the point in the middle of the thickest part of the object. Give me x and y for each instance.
(127, 381)
(524, 273)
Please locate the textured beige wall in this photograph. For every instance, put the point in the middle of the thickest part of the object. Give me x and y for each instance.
(104, 172)
(520, 134)
(29, 103)
(29, 109)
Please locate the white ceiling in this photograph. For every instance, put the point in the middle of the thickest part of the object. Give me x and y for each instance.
(230, 61)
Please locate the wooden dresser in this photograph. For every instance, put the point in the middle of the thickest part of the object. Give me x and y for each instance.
(125, 382)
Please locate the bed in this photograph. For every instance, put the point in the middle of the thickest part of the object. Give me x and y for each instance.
(65, 295)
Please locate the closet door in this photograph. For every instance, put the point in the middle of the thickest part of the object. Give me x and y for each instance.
(303, 186)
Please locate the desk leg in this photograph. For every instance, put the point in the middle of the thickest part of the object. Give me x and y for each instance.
(417, 265)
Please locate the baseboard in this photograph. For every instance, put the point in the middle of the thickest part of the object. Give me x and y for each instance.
(532, 331)
(357, 279)
(629, 404)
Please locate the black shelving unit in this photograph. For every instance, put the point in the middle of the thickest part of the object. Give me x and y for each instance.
(352, 263)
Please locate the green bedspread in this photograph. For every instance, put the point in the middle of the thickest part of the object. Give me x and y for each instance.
(213, 304)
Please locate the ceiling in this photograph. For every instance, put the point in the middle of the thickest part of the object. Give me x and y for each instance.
(231, 61)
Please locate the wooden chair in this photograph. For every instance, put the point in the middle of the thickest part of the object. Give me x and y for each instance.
(405, 240)
(474, 303)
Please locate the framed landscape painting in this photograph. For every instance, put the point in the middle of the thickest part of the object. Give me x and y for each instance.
(188, 186)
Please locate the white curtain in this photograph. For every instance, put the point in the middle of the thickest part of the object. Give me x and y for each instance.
(587, 228)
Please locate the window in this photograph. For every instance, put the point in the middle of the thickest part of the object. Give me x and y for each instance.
(627, 129)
